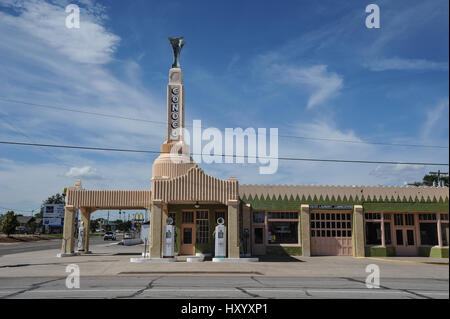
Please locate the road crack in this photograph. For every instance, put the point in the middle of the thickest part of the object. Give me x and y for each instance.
(32, 287)
(140, 291)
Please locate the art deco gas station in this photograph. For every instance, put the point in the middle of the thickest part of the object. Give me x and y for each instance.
(264, 220)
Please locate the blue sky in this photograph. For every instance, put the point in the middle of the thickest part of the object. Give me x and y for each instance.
(308, 68)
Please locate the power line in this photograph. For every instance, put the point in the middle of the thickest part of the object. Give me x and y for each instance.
(19, 210)
(225, 155)
(29, 138)
(66, 109)
(365, 142)
(79, 111)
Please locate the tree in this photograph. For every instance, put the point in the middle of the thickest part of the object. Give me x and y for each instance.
(55, 199)
(123, 226)
(9, 223)
(95, 224)
(429, 180)
(32, 225)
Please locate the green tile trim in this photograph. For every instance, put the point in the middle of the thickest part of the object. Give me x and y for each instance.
(377, 251)
(375, 205)
(283, 251)
(406, 207)
(435, 252)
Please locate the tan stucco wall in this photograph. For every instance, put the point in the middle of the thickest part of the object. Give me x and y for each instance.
(156, 231)
(305, 230)
(233, 229)
(358, 231)
(86, 218)
(68, 241)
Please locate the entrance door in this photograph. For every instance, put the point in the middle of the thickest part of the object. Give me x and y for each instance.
(187, 233)
(405, 235)
(259, 248)
(331, 233)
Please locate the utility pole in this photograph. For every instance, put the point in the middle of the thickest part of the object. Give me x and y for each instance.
(438, 174)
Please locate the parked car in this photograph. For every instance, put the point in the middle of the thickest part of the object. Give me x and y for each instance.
(109, 235)
(128, 236)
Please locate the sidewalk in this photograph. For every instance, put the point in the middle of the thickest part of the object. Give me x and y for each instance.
(114, 260)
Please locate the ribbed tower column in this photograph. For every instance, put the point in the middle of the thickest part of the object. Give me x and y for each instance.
(169, 165)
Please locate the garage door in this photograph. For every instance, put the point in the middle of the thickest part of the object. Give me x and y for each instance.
(331, 233)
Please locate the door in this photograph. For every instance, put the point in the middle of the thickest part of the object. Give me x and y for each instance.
(258, 236)
(331, 233)
(187, 233)
(405, 235)
(259, 248)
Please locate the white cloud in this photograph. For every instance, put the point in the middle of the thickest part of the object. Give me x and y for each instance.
(91, 43)
(25, 185)
(395, 173)
(73, 80)
(86, 172)
(436, 122)
(406, 64)
(37, 65)
(321, 83)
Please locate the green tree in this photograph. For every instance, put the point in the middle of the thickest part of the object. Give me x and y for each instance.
(55, 199)
(95, 224)
(123, 226)
(9, 223)
(430, 179)
(32, 225)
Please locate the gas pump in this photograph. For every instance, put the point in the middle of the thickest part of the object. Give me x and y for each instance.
(168, 249)
(220, 235)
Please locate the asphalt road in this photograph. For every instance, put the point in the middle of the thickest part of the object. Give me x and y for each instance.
(22, 247)
(204, 287)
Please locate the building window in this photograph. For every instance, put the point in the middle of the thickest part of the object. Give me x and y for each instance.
(387, 233)
(373, 229)
(444, 231)
(444, 216)
(187, 236)
(399, 236)
(335, 226)
(428, 234)
(187, 217)
(258, 217)
(373, 233)
(398, 219)
(202, 227)
(409, 219)
(259, 235)
(372, 215)
(427, 216)
(282, 215)
(282, 232)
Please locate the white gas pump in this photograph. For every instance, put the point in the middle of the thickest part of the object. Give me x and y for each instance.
(220, 235)
(169, 242)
